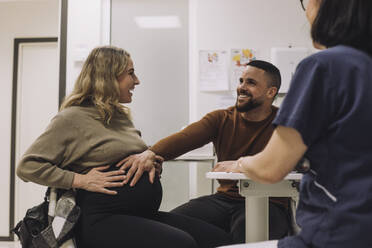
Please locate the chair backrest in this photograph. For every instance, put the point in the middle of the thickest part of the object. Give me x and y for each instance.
(57, 214)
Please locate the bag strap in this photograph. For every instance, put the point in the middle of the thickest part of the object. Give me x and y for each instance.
(47, 194)
(16, 229)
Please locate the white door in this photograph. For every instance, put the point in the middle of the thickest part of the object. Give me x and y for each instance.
(37, 103)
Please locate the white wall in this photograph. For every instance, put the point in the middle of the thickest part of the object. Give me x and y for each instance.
(88, 26)
(160, 104)
(214, 24)
(229, 24)
(17, 19)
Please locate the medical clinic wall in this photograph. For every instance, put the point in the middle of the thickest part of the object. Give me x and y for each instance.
(236, 24)
(230, 24)
(213, 25)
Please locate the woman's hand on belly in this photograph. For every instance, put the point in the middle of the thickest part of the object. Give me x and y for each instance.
(96, 180)
(139, 163)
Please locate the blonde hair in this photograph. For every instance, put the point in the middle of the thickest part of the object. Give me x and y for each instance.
(97, 82)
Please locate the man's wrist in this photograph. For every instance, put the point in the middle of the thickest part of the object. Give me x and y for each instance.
(150, 154)
(149, 150)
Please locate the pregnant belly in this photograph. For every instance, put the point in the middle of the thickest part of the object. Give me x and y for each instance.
(142, 199)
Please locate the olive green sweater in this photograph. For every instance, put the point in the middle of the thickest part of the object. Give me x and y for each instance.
(76, 141)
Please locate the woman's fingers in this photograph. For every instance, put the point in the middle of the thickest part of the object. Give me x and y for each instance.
(108, 192)
(114, 173)
(113, 184)
(101, 168)
(101, 180)
(115, 178)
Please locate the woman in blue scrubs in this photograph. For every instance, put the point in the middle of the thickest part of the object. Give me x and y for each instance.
(327, 118)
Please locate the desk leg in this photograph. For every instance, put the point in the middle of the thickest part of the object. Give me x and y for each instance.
(257, 219)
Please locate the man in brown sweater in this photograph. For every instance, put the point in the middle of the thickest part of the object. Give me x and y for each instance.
(237, 131)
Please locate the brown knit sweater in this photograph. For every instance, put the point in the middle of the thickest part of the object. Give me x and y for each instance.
(231, 134)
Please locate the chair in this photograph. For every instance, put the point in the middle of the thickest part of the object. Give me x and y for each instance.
(63, 214)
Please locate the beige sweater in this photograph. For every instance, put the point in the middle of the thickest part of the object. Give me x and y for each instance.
(76, 141)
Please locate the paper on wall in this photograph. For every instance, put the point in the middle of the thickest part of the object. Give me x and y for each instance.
(239, 60)
(287, 59)
(213, 71)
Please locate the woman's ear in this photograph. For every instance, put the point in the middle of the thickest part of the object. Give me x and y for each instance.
(271, 93)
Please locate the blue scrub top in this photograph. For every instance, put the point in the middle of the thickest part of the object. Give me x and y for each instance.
(330, 104)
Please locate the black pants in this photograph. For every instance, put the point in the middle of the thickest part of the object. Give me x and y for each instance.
(229, 214)
(131, 219)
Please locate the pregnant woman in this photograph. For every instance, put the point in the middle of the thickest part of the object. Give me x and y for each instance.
(79, 149)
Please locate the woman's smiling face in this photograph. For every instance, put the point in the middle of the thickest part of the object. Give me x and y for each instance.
(127, 81)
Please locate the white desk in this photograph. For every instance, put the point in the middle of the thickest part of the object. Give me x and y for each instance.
(193, 170)
(256, 200)
(202, 154)
(196, 158)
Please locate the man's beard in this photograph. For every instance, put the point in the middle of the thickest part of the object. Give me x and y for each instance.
(252, 104)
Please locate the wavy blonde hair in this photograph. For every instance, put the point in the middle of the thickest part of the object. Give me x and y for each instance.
(97, 82)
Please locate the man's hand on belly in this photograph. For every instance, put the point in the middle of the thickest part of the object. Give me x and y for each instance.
(139, 163)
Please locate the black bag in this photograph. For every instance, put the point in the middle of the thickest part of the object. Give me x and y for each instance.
(35, 221)
(36, 229)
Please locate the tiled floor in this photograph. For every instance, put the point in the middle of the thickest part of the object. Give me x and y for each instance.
(10, 245)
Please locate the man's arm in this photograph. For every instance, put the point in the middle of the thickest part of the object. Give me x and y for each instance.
(193, 136)
(279, 157)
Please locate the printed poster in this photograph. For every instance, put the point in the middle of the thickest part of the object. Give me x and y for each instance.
(213, 71)
(239, 60)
